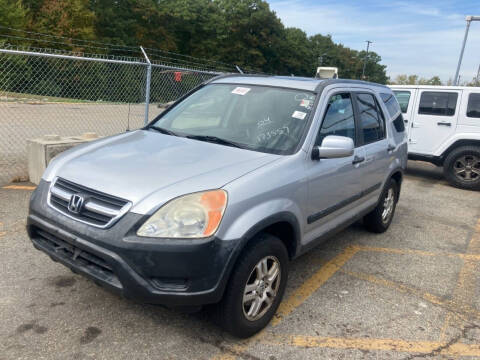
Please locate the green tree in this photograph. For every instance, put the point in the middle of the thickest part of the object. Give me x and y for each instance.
(404, 79)
(133, 23)
(249, 34)
(71, 19)
(295, 54)
(12, 14)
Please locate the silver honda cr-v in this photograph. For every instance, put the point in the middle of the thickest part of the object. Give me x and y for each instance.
(209, 202)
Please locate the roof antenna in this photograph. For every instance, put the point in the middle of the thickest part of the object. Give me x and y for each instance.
(238, 69)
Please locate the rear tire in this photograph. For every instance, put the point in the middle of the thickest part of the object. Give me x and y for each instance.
(251, 282)
(380, 218)
(462, 167)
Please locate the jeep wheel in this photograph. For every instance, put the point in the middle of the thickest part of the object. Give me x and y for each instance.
(462, 167)
(255, 288)
(379, 219)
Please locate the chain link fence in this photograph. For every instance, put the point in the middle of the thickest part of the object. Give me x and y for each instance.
(67, 95)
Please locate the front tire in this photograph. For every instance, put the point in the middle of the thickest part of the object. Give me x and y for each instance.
(380, 218)
(255, 288)
(462, 167)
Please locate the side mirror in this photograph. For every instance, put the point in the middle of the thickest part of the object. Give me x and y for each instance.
(333, 147)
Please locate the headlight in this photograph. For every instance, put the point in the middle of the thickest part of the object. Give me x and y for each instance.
(190, 216)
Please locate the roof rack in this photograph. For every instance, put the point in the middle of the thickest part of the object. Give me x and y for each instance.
(325, 83)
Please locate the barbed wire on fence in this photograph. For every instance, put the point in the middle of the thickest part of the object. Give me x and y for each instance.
(170, 56)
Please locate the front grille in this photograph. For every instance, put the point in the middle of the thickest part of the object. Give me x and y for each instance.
(98, 209)
(93, 264)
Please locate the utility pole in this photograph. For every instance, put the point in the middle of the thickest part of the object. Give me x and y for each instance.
(366, 57)
(468, 19)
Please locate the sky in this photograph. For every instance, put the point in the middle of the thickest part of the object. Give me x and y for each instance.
(412, 37)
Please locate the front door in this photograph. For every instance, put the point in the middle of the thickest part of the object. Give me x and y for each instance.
(435, 119)
(334, 185)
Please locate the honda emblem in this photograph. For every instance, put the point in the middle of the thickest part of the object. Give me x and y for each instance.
(76, 203)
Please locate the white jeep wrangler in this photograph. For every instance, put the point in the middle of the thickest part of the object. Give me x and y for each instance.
(443, 127)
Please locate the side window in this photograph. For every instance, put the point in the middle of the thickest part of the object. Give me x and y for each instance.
(391, 103)
(371, 120)
(338, 119)
(438, 103)
(403, 98)
(393, 109)
(473, 108)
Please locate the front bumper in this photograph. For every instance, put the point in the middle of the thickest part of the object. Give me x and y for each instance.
(173, 272)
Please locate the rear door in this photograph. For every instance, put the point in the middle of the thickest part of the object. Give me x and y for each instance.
(373, 138)
(436, 113)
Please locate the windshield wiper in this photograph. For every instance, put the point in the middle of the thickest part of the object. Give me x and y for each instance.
(163, 130)
(216, 140)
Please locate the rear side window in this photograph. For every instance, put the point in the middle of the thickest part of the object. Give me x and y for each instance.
(438, 103)
(473, 108)
(393, 109)
(391, 103)
(371, 120)
(403, 98)
(338, 119)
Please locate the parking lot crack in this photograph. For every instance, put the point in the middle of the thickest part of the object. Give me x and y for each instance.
(447, 345)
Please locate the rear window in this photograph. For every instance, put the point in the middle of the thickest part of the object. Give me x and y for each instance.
(403, 98)
(473, 108)
(438, 103)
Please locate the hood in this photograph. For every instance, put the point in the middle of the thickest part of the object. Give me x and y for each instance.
(136, 164)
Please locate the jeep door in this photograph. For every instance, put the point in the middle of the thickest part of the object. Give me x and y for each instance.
(435, 119)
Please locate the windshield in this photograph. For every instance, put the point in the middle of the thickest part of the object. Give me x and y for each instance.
(260, 118)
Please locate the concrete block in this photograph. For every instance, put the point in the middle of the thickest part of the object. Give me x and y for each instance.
(40, 151)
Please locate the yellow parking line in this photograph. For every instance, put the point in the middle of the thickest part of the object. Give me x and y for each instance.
(19, 187)
(452, 306)
(466, 284)
(474, 256)
(239, 349)
(420, 347)
(304, 291)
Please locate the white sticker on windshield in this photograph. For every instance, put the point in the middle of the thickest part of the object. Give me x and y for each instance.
(240, 90)
(299, 115)
(305, 103)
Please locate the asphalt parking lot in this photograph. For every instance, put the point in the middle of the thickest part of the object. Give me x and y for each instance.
(413, 292)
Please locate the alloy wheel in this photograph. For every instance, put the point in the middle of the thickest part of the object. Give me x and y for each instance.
(467, 168)
(261, 288)
(388, 205)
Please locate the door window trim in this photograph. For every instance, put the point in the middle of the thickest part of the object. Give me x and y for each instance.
(359, 128)
(324, 113)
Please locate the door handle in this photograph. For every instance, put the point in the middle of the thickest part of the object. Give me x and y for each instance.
(405, 121)
(391, 147)
(444, 123)
(358, 159)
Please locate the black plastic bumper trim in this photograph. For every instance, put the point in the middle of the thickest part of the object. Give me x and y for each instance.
(317, 216)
